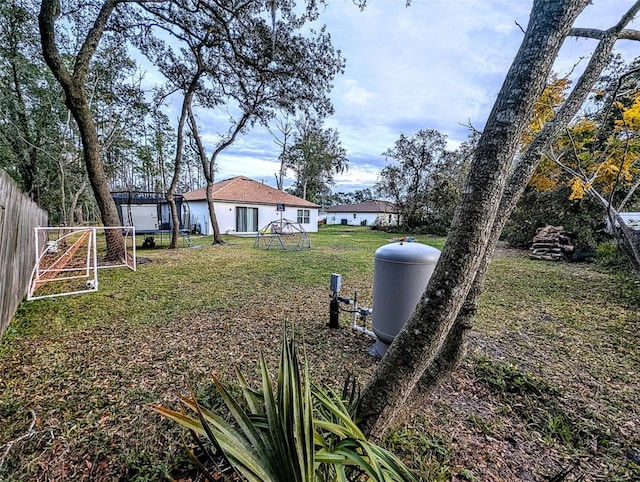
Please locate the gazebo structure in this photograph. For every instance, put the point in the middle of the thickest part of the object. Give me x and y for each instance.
(283, 234)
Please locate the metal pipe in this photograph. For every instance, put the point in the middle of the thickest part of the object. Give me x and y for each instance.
(355, 314)
(364, 330)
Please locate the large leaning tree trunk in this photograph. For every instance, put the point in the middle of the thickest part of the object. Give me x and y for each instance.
(453, 349)
(425, 333)
(73, 84)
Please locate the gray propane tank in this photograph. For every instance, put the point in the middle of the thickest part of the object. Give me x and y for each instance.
(401, 272)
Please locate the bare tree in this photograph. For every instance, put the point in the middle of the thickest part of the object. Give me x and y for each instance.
(284, 125)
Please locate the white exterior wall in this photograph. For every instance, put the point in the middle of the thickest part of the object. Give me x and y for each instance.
(355, 219)
(226, 216)
(200, 215)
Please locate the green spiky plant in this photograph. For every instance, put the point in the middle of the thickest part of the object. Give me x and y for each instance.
(296, 433)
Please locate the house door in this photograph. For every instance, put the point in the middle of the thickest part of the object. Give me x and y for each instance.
(246, 220)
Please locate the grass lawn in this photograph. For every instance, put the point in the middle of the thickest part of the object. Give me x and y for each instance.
(551, 380)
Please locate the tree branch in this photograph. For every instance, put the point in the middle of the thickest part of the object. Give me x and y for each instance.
(28, 434)
(622, 33)
(49, 12)
(83, 59)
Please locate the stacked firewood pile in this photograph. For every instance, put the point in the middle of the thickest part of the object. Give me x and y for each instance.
(551, 243)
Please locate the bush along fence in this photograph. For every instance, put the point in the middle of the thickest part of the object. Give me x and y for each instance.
(18, 218)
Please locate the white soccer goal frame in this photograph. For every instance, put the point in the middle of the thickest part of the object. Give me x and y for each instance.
(89, 271)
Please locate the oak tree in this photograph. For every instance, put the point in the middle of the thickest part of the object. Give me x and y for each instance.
(244, 61)
(72, 77)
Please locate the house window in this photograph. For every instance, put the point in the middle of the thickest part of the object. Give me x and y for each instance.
(303, 216)
(246, 220)
(354, 215)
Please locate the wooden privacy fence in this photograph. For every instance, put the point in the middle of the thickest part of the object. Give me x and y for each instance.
(18, 218)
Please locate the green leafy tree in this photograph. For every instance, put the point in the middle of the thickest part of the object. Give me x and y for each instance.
(315, 156)
(39, 145)
(423, 180)
(74, 84)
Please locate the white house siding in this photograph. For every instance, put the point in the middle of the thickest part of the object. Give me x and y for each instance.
(356, 219)
(352, 219)
(226, 216)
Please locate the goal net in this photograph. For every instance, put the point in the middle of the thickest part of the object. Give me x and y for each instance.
(68, 258)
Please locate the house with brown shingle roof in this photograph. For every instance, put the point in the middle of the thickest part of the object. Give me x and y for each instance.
(244, 206)
(367, 213)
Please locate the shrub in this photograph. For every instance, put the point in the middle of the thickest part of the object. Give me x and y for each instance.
(609, 256)
(297, 432)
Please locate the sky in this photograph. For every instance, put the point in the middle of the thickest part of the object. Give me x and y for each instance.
(437, 64)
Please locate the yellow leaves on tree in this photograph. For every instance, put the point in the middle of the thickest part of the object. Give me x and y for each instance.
(630, 121)
(578, 188)
(547, 176)
(585, 161)
(544, 110)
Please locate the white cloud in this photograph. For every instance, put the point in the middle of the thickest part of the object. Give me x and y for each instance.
(354, 94)
(357, 177)
(437, 64)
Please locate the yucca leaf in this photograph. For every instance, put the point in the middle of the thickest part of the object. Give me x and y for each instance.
(333, 428)
(370, 458)
(389, 458)
(293, 409)
(338, 410)
(360, 461)
(318, 440)
(323, 456)
(179, 417)
(341, 475)
(195, 459)
(239, 452)
(289, 407)
(278, 450)
(252, 433)
(309, 432)
(386, 466)
(392, 462)
(253, 397)
(297, 433)
(238, 447)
